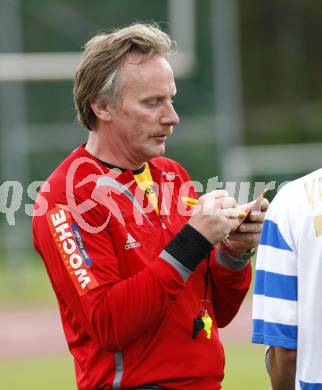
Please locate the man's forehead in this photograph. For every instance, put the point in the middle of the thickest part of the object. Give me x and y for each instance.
(138, 68)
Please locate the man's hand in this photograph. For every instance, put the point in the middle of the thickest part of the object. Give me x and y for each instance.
(247, 235)
(215, 216)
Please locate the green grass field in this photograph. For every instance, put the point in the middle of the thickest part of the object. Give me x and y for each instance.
(244, 371)
(25, 284)
(50, 373)
(245, 368)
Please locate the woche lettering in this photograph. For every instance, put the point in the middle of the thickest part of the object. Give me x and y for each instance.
(60, 222)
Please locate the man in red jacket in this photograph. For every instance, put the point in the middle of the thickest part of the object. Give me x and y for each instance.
(141, 284)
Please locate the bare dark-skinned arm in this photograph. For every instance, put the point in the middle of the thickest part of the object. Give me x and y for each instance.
(282, 367)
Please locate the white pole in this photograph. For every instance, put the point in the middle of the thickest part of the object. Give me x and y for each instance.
(181, 14)
(13, 133)
(227, 80)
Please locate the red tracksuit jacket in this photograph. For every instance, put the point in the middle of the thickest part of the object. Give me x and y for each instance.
(127, 313)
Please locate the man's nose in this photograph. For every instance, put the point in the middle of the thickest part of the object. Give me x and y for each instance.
(169, 117)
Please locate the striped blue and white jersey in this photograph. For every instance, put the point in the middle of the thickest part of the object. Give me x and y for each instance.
(287, 305)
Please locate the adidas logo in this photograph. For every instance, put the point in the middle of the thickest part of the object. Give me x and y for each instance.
(131, 242)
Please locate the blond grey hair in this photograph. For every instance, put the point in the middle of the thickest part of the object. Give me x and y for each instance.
(98, 77)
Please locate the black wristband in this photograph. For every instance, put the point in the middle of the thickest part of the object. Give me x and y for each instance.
(189, 247)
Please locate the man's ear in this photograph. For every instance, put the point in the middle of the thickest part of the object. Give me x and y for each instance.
(102, 112)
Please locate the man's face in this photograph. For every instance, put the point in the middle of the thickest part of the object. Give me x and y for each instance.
(145, 115)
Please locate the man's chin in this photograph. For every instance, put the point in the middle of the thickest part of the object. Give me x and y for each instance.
(161, 150)
(156, 152)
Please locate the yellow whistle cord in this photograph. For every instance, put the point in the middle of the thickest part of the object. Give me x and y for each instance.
(203, 320)
(207, 275)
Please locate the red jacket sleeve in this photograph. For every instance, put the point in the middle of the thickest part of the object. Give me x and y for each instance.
(85, 274)
(229, 288)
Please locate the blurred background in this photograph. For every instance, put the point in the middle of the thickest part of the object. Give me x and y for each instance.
(249, 96)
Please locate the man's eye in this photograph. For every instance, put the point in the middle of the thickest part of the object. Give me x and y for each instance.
(152, 102)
